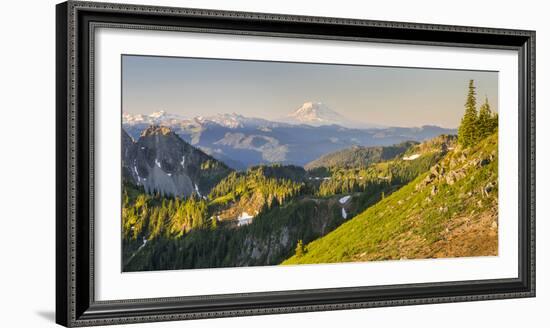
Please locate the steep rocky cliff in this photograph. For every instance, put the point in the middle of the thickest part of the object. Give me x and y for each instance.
(161, 161)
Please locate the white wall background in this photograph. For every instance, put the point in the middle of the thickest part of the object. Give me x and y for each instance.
(27, 148)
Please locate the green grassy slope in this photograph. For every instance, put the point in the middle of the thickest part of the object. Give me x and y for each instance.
(446, 212)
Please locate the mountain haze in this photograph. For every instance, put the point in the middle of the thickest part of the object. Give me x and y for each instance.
(241, 141)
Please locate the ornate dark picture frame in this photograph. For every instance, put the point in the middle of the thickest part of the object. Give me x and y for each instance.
(75, 301)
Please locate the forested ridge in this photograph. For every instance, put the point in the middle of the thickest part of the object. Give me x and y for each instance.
(358, 156)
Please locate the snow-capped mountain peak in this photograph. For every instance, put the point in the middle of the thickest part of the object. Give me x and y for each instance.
(235, 121)
(159, 114)
(315, 113)
(227, 120)
(232, 121)
(158, 117)
(132, 118)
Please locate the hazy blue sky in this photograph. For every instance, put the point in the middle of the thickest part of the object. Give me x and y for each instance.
(271, 90)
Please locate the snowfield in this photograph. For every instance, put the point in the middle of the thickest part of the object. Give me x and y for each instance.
(344, 199)
(197, 190)
(244, 219)
(411, 158)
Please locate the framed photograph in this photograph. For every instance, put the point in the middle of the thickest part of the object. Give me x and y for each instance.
(214, 163)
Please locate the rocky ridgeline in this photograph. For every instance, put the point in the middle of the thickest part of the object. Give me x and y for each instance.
(156, 130)
(442, 144)
(456, 166)
(161, 161)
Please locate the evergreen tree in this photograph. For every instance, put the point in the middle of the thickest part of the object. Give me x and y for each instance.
(300, 250)
(485, 120)
(214, 224)
(468, 132)
(494, 122)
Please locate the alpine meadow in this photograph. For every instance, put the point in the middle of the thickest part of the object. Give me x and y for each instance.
(230, 163)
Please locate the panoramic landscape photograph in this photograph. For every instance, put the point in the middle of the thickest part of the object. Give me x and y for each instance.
(238, 163)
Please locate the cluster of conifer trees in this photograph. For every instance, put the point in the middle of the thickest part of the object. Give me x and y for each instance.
(476, 125)
(273, 187)
(151, 216)
(345, 181)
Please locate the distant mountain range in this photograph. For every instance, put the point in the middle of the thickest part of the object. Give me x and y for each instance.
(305, 134)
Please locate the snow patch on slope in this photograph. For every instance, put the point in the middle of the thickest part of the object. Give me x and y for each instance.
(411, 158)
(344, 199)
